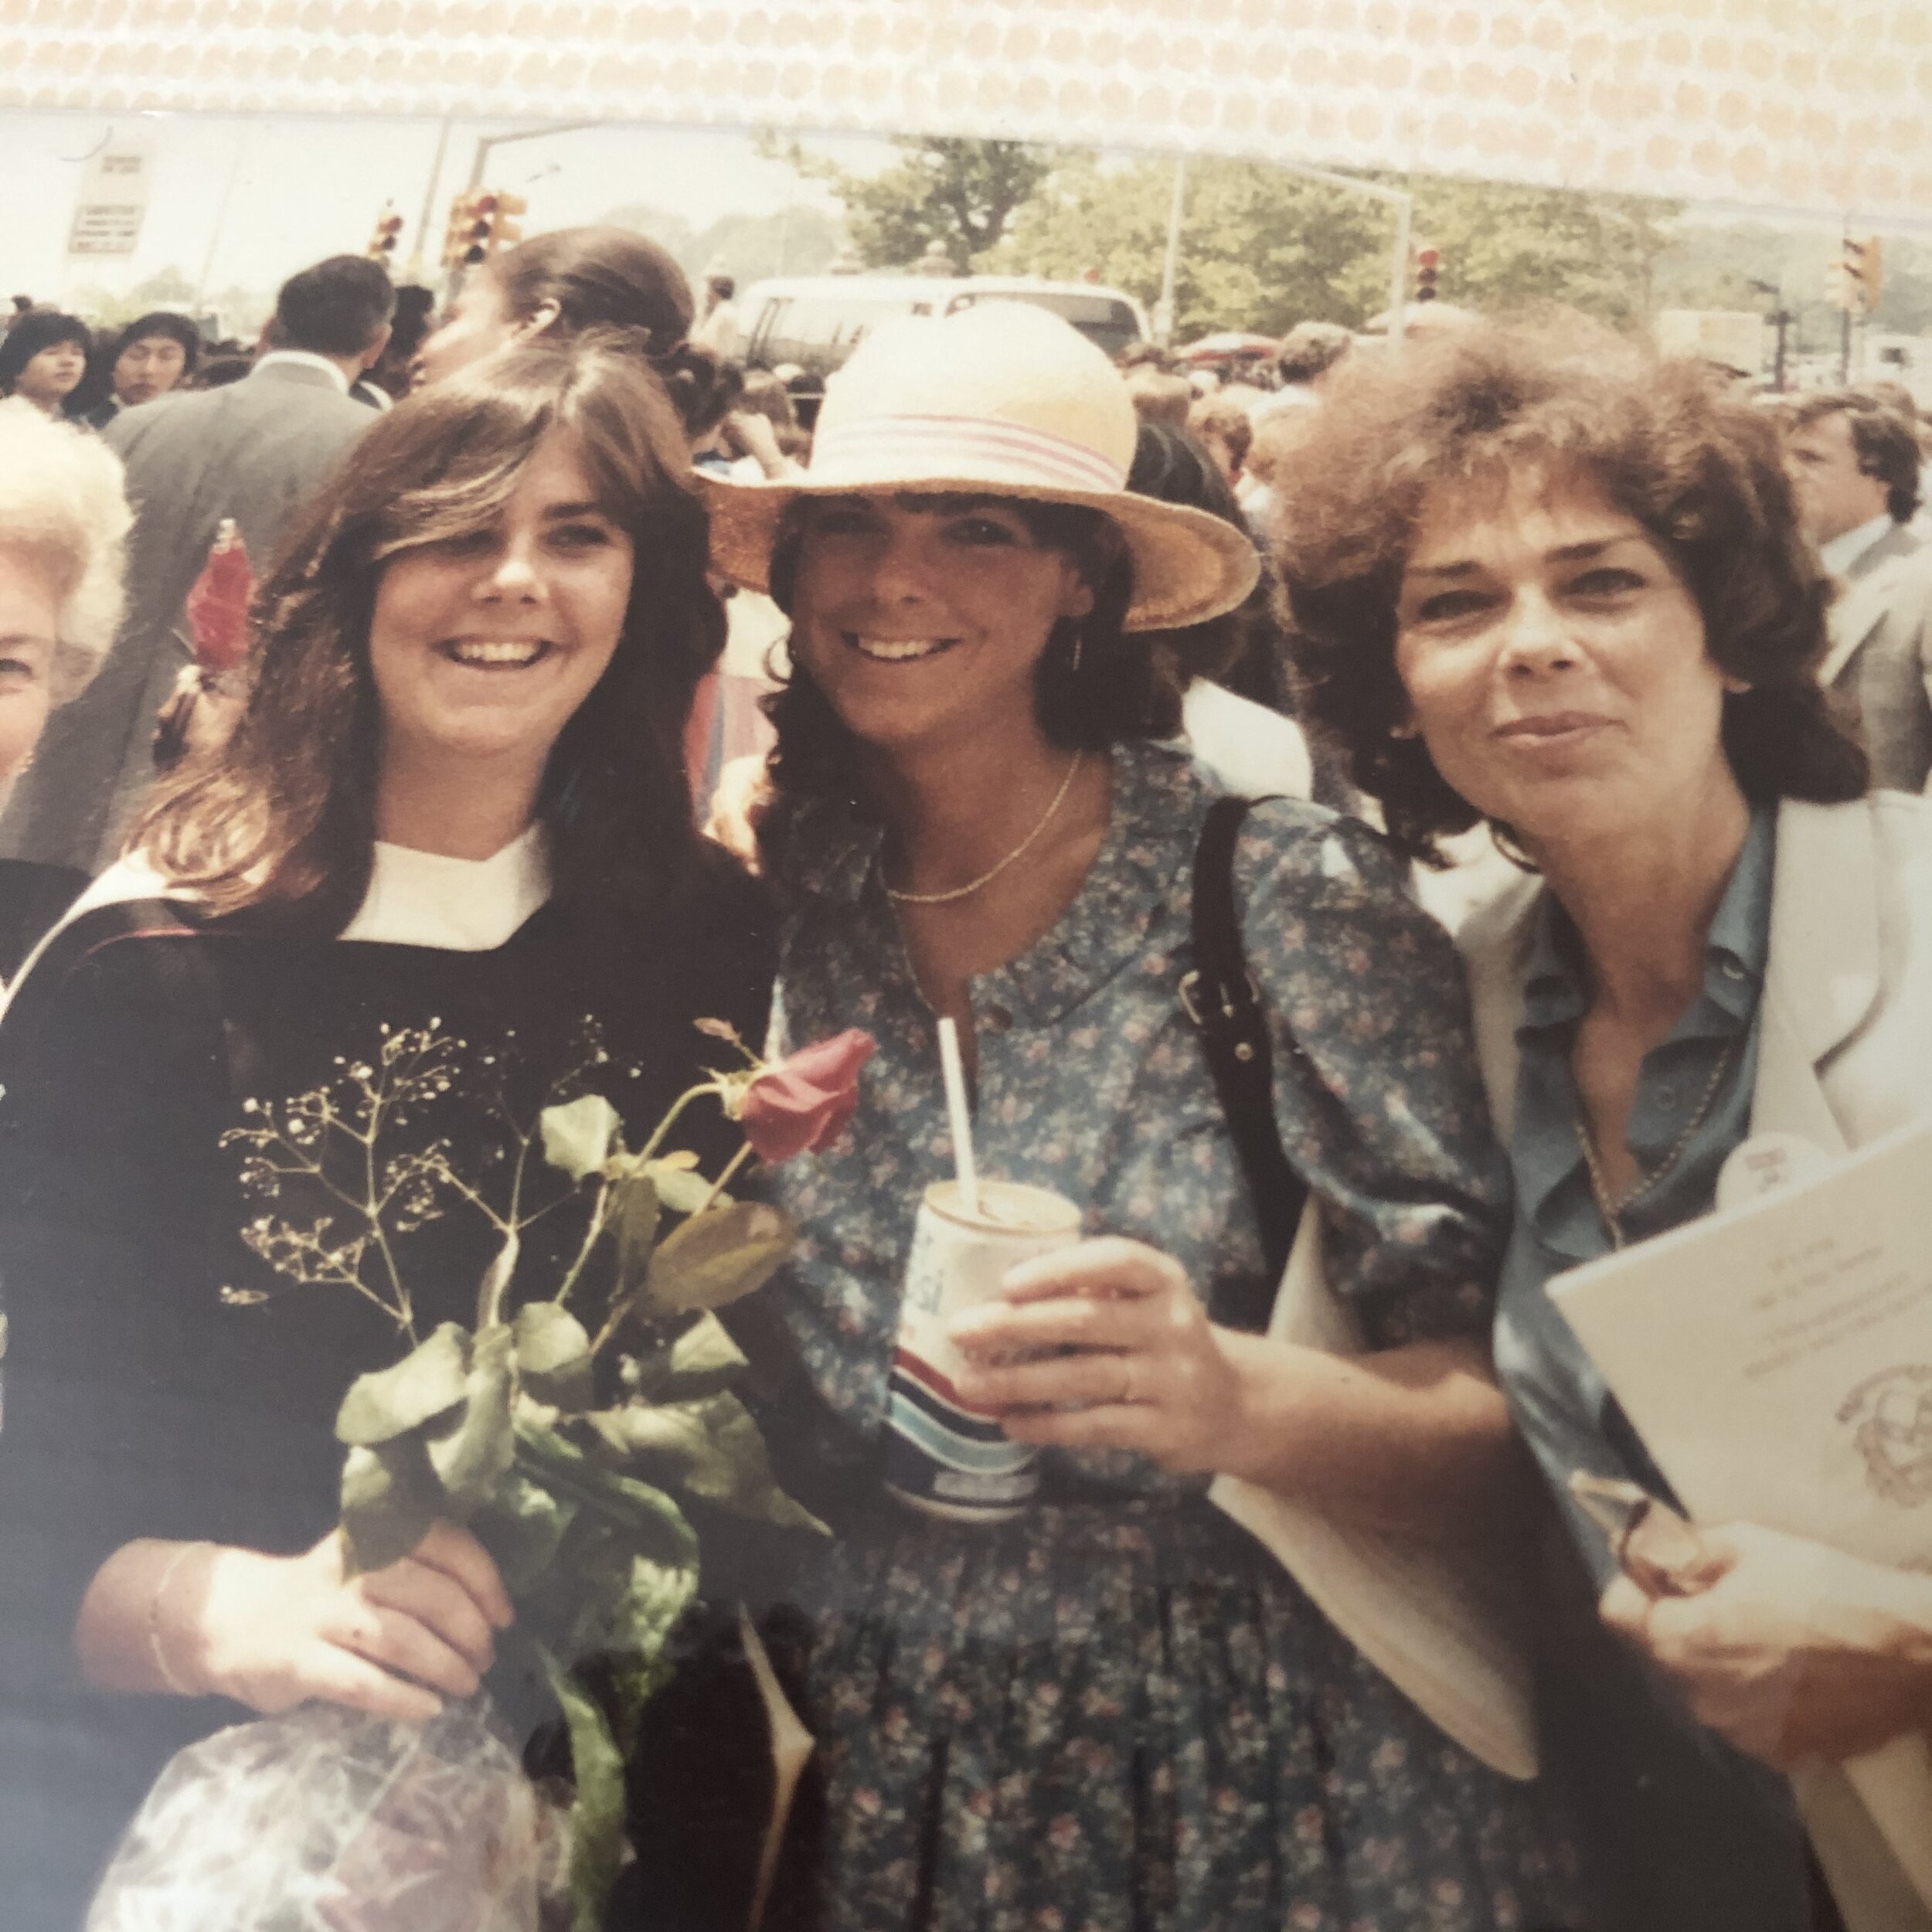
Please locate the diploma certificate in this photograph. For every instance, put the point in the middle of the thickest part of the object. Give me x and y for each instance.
(1777, 1357)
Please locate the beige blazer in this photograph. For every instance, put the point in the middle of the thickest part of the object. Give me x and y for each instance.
(1845, 1055)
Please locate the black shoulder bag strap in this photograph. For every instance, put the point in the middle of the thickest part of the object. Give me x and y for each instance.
(1221, 998)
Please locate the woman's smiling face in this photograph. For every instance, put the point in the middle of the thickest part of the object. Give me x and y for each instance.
(924, 616)
(29, 617)
(483, 646)
(1554, 659)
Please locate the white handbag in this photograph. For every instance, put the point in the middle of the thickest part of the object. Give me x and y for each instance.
(1436, 1620)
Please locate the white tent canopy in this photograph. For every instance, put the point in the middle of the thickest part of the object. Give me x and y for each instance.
(1823, 106)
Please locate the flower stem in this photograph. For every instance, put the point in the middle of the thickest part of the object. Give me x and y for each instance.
(678, 1106)
(718, 1186)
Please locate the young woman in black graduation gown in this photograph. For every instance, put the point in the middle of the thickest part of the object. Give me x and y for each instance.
(456, 803)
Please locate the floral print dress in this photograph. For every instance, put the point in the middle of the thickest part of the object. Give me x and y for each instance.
(1115, 1712)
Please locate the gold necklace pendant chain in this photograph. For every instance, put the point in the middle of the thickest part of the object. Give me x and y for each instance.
(1611, 1210)
(986, 878)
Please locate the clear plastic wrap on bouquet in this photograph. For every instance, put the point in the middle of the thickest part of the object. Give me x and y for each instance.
(324, 1820)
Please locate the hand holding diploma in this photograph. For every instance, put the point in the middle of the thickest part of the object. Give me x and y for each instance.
(1789, 1650)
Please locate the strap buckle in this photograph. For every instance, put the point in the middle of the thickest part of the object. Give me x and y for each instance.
(1190, 1003)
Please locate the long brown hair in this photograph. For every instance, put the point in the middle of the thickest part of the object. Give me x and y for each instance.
(283, 823)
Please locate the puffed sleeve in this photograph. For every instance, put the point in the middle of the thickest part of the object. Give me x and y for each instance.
(109, 1064)
(1377, 1091)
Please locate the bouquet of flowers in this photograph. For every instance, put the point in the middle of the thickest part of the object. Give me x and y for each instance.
(563, 1435)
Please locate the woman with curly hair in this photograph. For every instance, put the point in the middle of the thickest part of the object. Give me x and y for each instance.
(63, 526)
(453, 806)
(1539, 578)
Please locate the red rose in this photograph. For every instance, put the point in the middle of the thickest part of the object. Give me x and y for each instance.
(801, 1106)
(218, 605)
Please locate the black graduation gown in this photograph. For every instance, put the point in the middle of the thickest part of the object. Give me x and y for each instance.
(149, 1389)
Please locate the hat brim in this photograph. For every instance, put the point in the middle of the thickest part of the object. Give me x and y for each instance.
(1189, 565)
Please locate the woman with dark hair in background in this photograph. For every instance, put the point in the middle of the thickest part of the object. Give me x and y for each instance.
(1541, 579)
(560, 284)
(43, 358)
(454, 807)
(154, 354)
(1236, 712)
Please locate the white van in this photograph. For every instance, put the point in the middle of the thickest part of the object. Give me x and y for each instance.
(813, 323)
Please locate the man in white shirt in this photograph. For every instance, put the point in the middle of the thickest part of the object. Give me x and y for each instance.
(254, 451)
(1854, 465)
(719, 330)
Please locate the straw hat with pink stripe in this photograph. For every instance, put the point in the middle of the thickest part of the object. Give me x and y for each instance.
(1003, 399)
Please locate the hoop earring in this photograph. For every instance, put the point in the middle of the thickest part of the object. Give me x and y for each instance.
(1079, 642)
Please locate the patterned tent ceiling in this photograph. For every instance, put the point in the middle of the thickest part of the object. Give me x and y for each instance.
(1823, 106)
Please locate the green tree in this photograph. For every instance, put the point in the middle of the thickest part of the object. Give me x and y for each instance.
(1260, 249)
(1504, 247)
(671, 233)
(798, 240)
(167, 288)
(961, 194)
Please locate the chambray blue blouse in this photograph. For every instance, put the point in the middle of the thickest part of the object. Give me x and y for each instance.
(1560, 1401)
(1667, 1803)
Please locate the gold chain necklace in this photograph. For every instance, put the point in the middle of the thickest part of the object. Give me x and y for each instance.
(1611, 1209)
(986, 878)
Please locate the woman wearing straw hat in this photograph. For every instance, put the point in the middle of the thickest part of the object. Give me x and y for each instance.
(1114, 1707)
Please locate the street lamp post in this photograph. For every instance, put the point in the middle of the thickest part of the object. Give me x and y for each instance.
(1170, 262)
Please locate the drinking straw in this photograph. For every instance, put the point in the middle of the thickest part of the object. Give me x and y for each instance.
(956, 1114)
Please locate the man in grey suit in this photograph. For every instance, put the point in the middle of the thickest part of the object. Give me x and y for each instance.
(1854, 464)
(253, 451)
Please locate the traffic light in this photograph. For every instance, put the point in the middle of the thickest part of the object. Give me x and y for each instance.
(388, 233)
(1428, 265)
(479, 216)
(503, 231)
(456, 237)
(480, 224)
(1855, 281)
(1864, 273)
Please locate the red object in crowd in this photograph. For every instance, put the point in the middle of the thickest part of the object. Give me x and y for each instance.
(801, 1105)
(218, 604)
(1230, 345)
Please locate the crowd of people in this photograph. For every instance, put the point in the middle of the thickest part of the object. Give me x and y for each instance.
(958, 673)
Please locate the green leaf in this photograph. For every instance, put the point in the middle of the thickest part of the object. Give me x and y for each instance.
(713, 1259)
(392, 1401)
(712, 1448)
(635, 1215)
(390, 1498)
(681, 1188)
(553, 1355)
(702, 1361)
(522, 1526)
(623, 1625)
(597, 1819)
(652, 1521)
(656, 1596)
(578, 1137)
(472, 1450)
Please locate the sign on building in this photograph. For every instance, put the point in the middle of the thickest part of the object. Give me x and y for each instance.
(113, 200)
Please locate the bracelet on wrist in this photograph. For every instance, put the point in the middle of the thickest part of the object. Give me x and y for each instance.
(157, 1646)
